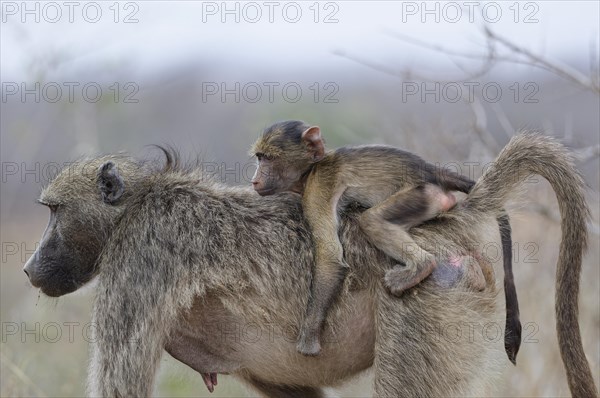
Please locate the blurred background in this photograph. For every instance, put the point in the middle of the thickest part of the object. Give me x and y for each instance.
(451, 81)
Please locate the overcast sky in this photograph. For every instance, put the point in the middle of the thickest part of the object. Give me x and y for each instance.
(271, 36)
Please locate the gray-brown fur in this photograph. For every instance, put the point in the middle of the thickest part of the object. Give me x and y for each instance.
(176, 256)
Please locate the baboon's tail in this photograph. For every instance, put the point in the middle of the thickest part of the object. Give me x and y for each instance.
(528, 154)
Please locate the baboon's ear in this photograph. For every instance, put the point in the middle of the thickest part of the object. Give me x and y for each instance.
(313, 140)
(110, 183)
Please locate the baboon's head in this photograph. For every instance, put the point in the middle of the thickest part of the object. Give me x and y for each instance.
(85, 201)
(284, 153)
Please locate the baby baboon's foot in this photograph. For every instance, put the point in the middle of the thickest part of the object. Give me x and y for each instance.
(308, 344)
(448, 201)
(401, 278)
(440, 200)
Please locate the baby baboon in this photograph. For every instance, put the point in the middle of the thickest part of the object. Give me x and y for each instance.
(407, 191)
(175, 257)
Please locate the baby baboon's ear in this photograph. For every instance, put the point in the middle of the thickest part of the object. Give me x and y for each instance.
(110, 183)
(313, 140)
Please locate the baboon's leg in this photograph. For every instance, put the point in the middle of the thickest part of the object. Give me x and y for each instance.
(445, 365)
(320, 209)
(280, 391)
(387, 224)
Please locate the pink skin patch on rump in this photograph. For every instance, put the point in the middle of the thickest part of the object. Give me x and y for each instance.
(455, 261)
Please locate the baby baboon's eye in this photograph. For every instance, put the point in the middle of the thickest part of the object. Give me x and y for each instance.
(262, 156)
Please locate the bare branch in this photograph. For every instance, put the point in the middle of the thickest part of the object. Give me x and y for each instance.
(586, 154)
(503, 119)
(517, 55)
(594, 68)
(536, 60)
(16, 370)
(480, 126)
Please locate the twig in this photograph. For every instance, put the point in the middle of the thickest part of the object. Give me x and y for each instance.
(536, 60)
(21, 375)
(586, 154)
(503, 119)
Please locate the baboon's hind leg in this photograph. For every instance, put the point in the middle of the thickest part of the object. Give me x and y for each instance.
(387, 225)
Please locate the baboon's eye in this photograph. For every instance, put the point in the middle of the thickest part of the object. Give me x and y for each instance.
(53, 208)
(262, 156)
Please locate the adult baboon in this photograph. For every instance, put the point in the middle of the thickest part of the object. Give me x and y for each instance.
(185, 264)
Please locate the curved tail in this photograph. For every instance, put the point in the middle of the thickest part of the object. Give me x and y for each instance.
(528, 154)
